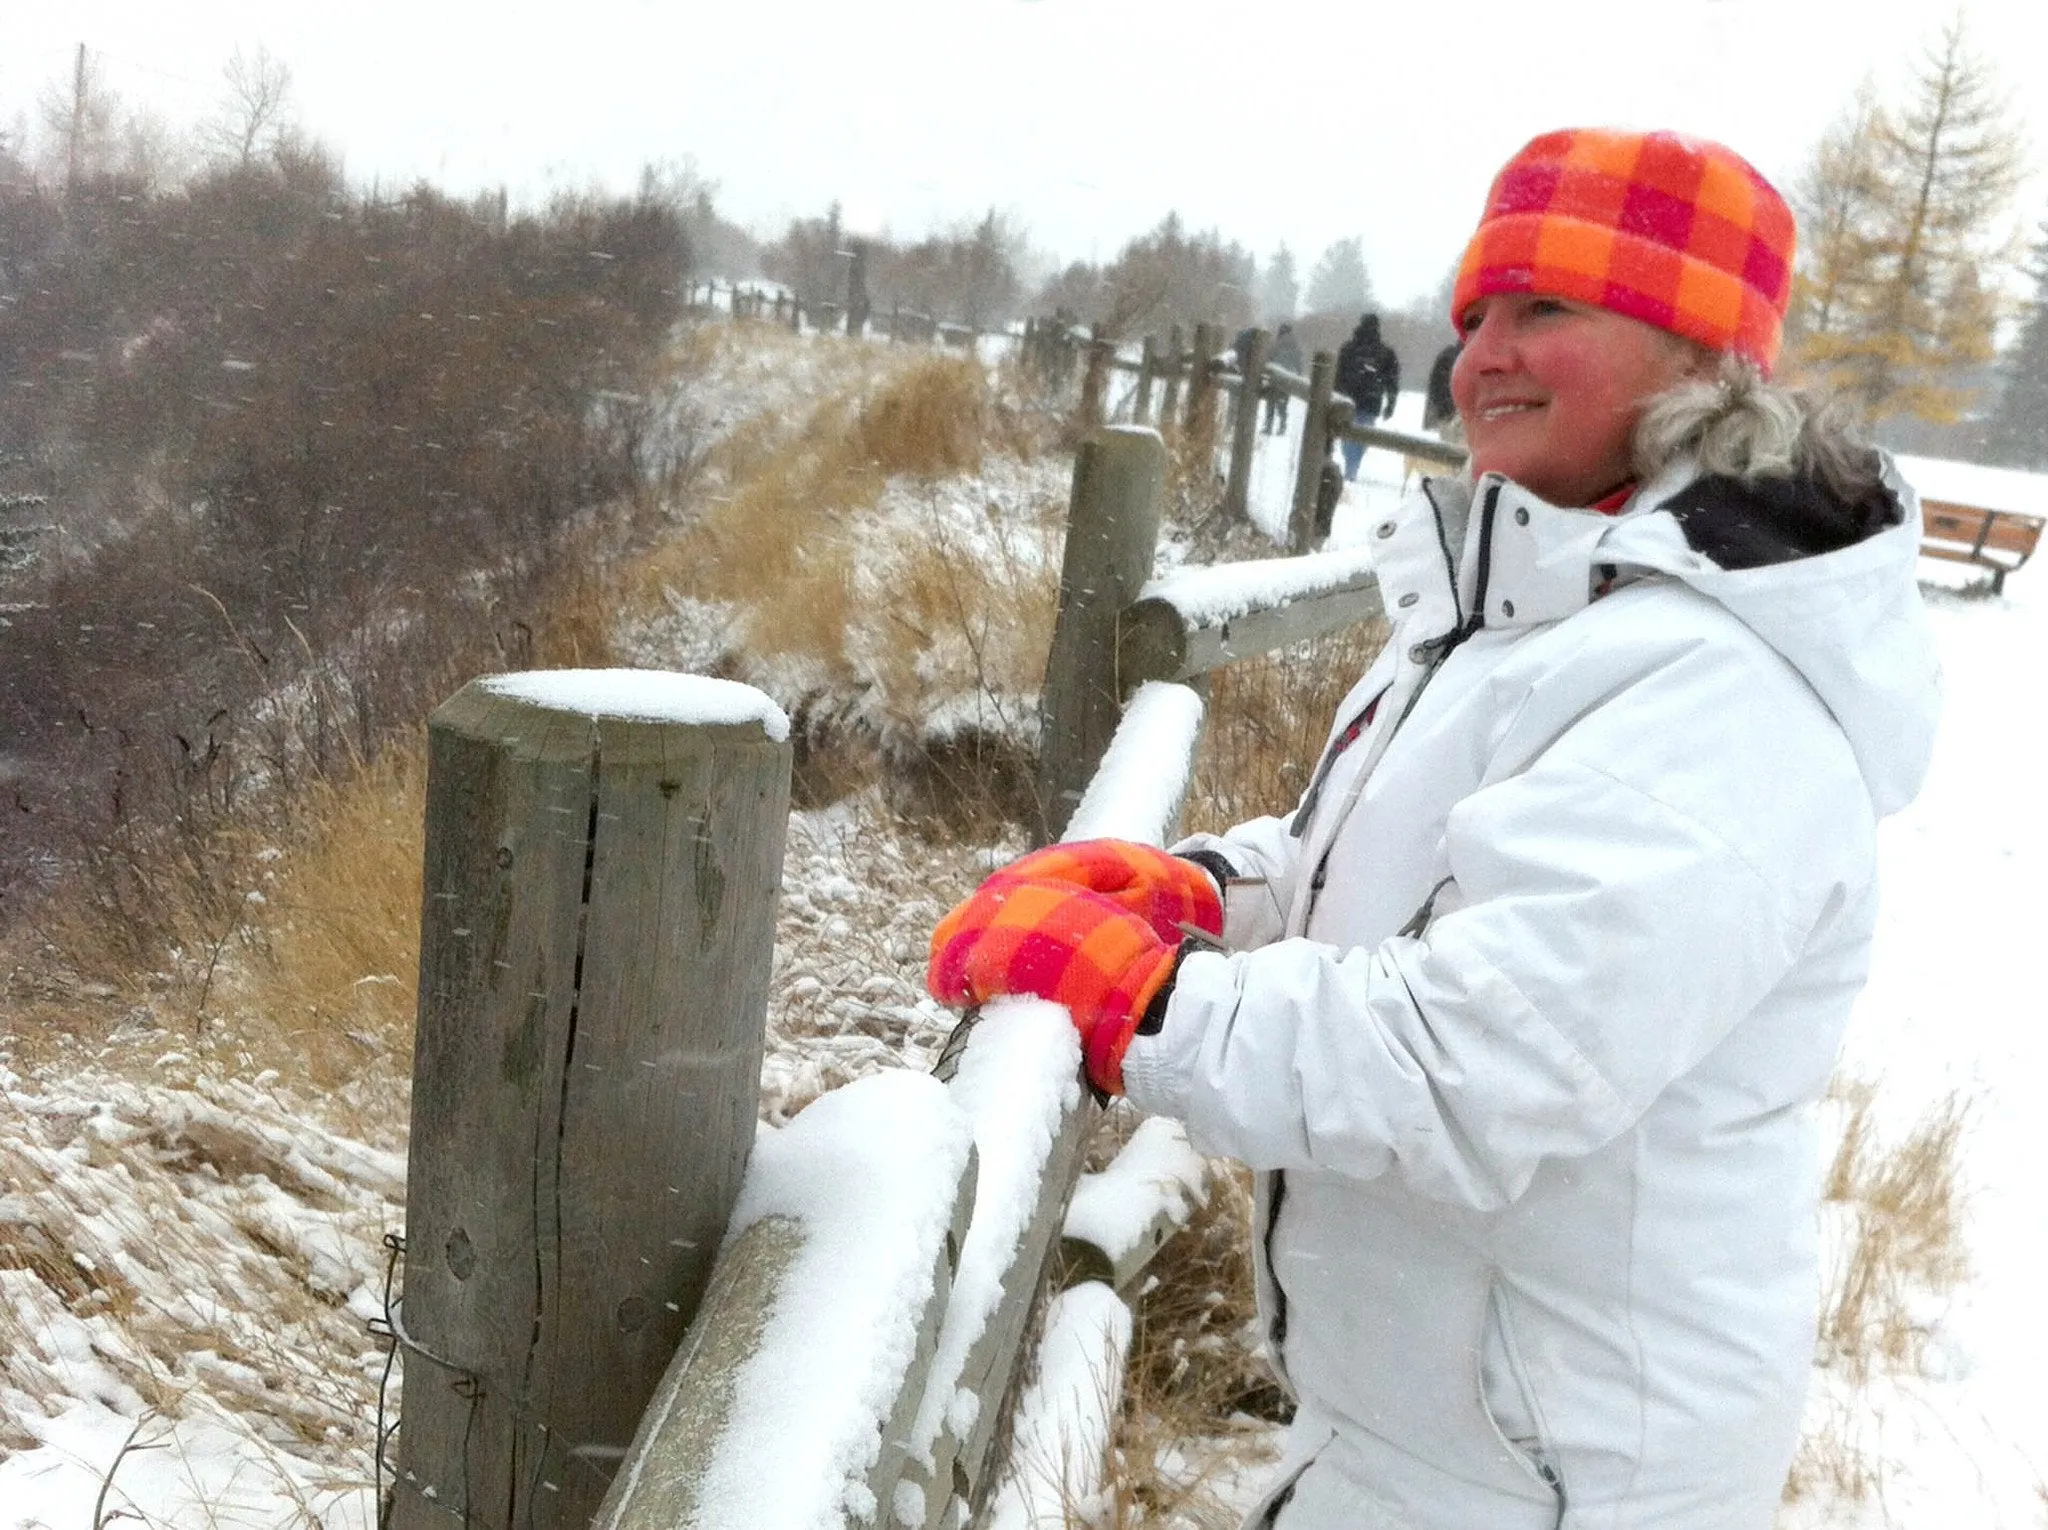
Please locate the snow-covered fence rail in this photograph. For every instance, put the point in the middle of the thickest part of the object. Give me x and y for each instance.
(602, 859)
(851, 1362)
(602, 855)
(1116, 630)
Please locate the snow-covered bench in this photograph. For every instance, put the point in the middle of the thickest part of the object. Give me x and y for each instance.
(1998, 540)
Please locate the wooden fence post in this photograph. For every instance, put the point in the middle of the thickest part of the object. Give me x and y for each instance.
(1148, 368)
(1200, 440)
(1112, 529)
(1315, 451)
(1095, 378)
(1169, 398)
(597, 923)
(1244, 436)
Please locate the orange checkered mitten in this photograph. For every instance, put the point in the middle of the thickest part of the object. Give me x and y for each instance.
(1077, 948)
(1164, 890)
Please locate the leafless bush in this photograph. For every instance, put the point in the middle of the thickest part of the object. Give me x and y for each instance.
(309, 456)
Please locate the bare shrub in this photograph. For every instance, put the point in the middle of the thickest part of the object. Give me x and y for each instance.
(309, 456)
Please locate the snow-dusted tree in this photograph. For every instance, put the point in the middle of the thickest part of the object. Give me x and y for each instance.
(2017, 432)
(1339, 283)
(1904, 242)
(811, 258)
(968, 275)
(1163, 277)
(79, 120)
(1279, 287)
(252, 107)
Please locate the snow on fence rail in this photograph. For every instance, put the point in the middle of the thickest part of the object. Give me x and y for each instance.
(603, 851)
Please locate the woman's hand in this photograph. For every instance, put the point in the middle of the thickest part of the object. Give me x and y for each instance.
(1167, 892)
(1055, 941)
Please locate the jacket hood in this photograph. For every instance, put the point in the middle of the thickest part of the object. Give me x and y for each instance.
(1830, 586)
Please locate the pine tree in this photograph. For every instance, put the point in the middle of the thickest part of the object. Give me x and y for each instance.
(1279, 287)
(1902, 252)
(1339, 283)
(2017, 433)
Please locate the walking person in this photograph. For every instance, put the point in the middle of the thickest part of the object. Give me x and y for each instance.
(1287, 356)
(1439, 409)
(1522, 1012)
(1369, 374)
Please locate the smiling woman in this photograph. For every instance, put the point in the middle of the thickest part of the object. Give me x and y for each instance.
(1523, 1012)
(1551, 391)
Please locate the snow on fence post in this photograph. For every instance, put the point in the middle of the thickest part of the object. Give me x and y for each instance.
(1315, 451)
(1112, 527)
(1244, 435)
(603, 853)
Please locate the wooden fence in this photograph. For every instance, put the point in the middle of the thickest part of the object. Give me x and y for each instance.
(598, 921)
(1189, 374)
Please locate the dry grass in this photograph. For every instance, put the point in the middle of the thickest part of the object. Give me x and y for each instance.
(1906, 1239)
(783, 537)
(1901, 1244)
(1198, 1406)
(334, 987)
(1267, 721)
(903, 624)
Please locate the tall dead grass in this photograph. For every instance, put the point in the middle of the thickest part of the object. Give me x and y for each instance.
(783, 523)
(1899, 1245)
(1268, 718)
(334, 985)
(903, 625)
(1906, 1206)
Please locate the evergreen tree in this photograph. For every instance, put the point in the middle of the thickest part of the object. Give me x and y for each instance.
(1279, 288)
(1339, 283)
(1902, 251)
(2017, 434)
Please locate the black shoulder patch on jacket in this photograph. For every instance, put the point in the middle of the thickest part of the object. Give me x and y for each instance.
(1774, 520)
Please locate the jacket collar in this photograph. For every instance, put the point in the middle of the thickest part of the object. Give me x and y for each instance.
(1490, 547)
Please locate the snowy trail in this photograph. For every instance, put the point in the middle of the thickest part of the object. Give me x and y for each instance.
(1954, 1004)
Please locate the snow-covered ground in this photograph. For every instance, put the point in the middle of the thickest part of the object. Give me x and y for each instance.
(231, 1250)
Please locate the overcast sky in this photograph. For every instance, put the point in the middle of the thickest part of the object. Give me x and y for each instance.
(1271, 120)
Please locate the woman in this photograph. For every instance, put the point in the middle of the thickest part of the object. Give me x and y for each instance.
(1523, 1011)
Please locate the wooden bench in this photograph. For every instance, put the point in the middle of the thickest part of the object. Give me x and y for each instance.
(2000, 540)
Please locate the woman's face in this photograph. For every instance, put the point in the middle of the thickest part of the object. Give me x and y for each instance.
(1550, 391)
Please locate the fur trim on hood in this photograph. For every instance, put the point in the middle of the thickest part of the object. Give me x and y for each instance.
(1737, 425)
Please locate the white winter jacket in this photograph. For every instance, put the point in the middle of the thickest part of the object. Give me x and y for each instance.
(1524, 1011)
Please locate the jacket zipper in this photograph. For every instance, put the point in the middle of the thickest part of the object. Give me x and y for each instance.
(1276, 1332)
(1450, 644)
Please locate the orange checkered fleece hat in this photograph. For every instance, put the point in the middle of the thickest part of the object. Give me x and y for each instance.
(1675, 231)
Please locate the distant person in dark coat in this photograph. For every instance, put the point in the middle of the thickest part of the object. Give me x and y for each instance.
(1287, 355)
(1437, 408)
(1369, 374)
